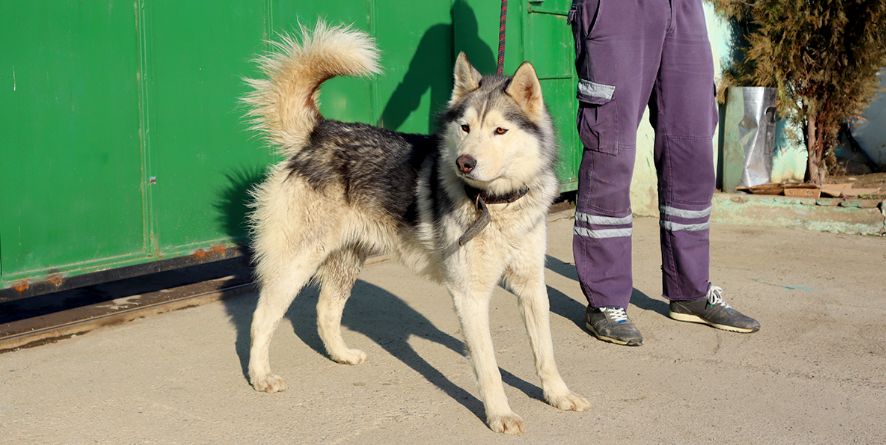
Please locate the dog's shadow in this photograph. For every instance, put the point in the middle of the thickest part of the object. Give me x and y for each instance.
(376, 313)
(386, 320)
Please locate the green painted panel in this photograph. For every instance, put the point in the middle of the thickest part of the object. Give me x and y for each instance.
(549, 6)
(476, 33)
(200, 151)
(70, 171)
(123, 138)
(417, 60)
(563, 112)
(549, 45)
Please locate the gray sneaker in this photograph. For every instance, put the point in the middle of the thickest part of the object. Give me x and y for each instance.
(613, 325)
(712, 310)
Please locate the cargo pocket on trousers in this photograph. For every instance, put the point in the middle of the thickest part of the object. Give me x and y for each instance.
(598, 117)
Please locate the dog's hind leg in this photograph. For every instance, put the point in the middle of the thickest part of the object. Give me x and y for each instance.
(281, 277)
(337, 276)
(525, 278)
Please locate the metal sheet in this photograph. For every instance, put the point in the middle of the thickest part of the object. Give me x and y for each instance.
(70, 166)
(749, 136)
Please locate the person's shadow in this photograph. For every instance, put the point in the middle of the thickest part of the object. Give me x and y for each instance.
(570, 309)
(435, 55)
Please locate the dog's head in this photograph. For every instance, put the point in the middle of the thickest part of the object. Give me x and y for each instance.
(497, 132)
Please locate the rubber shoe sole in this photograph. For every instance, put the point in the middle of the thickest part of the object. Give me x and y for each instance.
(616, 341)
(689, 318)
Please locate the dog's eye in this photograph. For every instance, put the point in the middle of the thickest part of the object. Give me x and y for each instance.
(466, 128)
(501, 131)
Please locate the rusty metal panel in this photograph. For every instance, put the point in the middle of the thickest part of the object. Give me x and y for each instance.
(198, 144)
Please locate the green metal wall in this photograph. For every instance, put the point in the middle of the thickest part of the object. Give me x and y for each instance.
(122, 137)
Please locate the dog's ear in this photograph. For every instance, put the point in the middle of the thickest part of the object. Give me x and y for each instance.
(467, 78)
(526, 90)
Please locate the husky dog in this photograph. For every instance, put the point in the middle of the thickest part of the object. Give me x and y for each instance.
(466, 207)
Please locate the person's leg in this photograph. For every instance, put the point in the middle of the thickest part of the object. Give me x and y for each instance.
(618, 52)
(684, 115)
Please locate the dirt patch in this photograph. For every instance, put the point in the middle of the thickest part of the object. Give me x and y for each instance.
(868, 181)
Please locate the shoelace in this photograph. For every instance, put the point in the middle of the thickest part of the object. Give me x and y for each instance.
(616, 314)
(715, 297)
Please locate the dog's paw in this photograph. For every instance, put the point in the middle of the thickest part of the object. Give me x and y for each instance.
(269, 383)
(349, 356)
(507, 424)
(569, 401)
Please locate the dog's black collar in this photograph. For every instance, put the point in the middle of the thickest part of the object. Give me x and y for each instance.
(481, 198)
(476, 195)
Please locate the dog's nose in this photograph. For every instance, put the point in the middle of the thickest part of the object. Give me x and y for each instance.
(466, 163)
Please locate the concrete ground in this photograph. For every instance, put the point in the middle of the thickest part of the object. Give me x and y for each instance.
(813, 374)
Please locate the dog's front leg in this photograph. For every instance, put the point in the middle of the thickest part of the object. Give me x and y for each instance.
(525, 278)
(472, 307)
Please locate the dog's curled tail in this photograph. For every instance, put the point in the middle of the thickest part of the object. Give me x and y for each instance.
(283, 105)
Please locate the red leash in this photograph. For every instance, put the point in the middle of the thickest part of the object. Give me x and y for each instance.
(501, 36)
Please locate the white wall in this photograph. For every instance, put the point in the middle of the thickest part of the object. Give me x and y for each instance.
(644, 191)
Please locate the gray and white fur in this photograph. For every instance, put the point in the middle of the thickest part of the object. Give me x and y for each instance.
(346, 190)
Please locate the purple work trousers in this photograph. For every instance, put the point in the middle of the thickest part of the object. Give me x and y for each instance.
(630, 54)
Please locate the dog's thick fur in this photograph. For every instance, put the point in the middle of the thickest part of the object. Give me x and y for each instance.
(346, 190)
